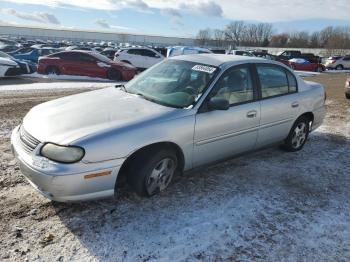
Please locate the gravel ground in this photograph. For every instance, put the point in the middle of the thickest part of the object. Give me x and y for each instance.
(266, 206)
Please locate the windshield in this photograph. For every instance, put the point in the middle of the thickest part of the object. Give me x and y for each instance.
(4, 55)
(173, 83)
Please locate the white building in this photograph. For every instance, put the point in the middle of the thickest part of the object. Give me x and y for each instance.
(91, 35)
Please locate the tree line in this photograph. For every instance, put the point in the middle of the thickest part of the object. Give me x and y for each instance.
(239, 33)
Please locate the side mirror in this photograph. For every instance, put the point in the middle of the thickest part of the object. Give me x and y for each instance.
(218, 104)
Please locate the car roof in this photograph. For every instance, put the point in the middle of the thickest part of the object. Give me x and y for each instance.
(217, 59)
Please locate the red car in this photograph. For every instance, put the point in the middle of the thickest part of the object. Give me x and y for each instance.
(314, 67)
(85, 63)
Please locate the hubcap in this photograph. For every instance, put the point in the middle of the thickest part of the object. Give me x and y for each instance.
(160, 176)
(299, 135)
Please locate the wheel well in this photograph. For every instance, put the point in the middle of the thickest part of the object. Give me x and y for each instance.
(309, 115)
(146, 150)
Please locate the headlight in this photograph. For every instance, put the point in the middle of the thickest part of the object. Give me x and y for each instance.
(63, 154)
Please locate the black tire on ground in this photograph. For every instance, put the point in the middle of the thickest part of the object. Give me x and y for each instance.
(319, 69)
(114, 74)
(145, 174)
(339, 67)
(297, 135)
(347, 96)
(53, 70)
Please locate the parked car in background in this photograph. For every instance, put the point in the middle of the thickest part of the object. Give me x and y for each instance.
(140, 57)
(32, 53)
(186, 112)
(85, 63)
(186, 50)
(270, 57)
(8, 67)
(305, 65)
(240, 52)
(347, 87)
(290, 54)
(338, 62)
(26, 67)
(109, 52)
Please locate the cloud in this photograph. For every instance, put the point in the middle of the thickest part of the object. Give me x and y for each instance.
(104, 24)
(256, 10)
(40, 17)
(175, 16)
(205, 8)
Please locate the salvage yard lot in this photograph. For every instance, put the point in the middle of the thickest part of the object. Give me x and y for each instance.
(270, 205)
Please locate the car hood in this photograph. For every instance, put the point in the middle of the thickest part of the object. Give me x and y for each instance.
(7, 61)
(67, 119)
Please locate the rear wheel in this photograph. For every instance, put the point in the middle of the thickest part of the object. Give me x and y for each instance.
(319, 69)
(339, 67)
(114, 74)
(52, 70)
(297, 135)
(152, 171)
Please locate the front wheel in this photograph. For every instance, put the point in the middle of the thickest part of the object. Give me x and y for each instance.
(114, 74)
(298, 135)
(339, 67)
(152, 172)
(53, 70)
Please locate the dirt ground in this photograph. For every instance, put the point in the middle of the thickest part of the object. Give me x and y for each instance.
(267, 206)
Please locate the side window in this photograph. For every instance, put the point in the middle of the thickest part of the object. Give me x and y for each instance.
(346, 58)
(235, 85)
(134, 52)
(148, 53)
(275, 81)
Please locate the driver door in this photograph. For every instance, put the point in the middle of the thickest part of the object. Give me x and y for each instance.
(223, 133)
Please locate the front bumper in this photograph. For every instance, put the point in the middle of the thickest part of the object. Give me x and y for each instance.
(66, 182)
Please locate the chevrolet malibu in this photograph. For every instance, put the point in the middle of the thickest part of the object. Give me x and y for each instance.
(182, 113)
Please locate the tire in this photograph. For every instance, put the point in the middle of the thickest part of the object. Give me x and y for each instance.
(298, 135)
(339, 67)
(152, 171)
(53, 70)
(114, 74)
(319, 69)
(347, 96)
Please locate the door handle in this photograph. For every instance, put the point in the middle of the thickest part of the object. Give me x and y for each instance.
(252, 114)
(295, 104)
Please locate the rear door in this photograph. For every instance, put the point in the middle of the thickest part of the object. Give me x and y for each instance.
(222, 133)
(279, 103)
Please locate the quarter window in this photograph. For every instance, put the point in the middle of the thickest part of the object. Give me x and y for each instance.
(275, 81)
(235, 86)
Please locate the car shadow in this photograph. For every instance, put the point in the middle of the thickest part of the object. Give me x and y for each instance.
(202, 205)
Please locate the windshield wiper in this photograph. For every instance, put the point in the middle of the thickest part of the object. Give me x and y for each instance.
(122, 87)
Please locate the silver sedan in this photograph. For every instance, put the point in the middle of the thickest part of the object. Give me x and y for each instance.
(182, 113)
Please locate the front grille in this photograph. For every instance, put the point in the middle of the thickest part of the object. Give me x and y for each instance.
(28, 142)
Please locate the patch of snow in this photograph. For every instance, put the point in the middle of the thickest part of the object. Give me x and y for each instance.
(68, 77)
(56, 85)
(306, 73)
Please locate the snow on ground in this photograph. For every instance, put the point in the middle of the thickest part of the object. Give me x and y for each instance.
(55, 86)
(67, 77)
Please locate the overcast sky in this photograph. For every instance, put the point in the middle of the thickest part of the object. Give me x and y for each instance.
(172, 17)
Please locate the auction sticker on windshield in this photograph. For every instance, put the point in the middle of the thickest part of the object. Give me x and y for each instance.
(203, 68)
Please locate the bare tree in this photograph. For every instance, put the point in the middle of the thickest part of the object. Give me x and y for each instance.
(219, 37)
(203, 37)
(234, 31)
